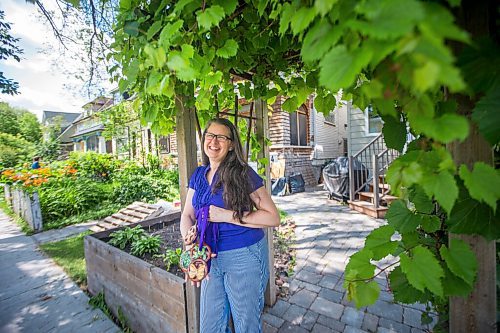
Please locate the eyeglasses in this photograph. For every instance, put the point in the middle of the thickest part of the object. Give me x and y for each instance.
(221, 138)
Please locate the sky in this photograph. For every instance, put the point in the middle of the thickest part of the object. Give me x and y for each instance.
(41, 84)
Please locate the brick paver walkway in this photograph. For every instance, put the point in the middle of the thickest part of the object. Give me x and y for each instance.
(327, 234)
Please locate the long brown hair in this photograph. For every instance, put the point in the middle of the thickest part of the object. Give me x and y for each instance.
(233, 173)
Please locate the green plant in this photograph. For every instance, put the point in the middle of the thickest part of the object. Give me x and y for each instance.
(171, 257)
(146, 244)
(64, 197)
(126, 236)
(137, 187)
(94, 165)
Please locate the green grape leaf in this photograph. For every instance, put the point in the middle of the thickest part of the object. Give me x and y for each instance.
(210, 17)
(168, 32)
(228, 5)
(285, 18)
(450, 127)
(454, 3)
(403, 291)
(363, 293)
(423, 270)
(301, 19)
(388, 18)
(131, 28)
(401, 218)
(394, 133)
(291, 104)
(483, 183)
(230, 49)
(340, 67)
(359, 266)
(443, 187)
(213, 78)
(422, 202)
(460, 260)
(319, 39)
(426, 76)
(325, 104)
(153, 29)
(430, 223)
(473, 217)
(455, 286)
(486, 115)
(324, 6)
(379, 242)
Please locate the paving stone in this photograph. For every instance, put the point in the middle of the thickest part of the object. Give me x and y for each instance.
(370, 322)
(318, 328)
(386, 296)
(294, 314)
(331, 269)
(309, 320)
(272, 320)
(290, 328)
(309, 277)
(331, 323)
(393, 326)
(352, 317)
(331, 295)
(387, 310)
(304, 298)
(329, 281)
(327, 308)
(294, 285)
(266, 328)
(279, 308)
(350, 329)
(311, 287)
(412, 317)
(417, 330)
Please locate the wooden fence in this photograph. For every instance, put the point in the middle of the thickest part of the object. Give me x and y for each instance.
(25, 205)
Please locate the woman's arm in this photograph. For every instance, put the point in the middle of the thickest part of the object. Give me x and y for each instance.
(188, 217)
(266, 214)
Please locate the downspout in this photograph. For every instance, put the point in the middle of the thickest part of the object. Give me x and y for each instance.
(314, 130)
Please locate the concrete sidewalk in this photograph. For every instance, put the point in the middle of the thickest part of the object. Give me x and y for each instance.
(327, 233)
(35, 293)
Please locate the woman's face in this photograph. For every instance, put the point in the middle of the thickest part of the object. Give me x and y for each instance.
(217, 143)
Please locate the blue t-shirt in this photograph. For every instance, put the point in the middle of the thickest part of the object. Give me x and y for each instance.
(230, 236)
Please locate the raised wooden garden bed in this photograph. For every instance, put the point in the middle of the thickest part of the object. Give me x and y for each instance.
(151, 299)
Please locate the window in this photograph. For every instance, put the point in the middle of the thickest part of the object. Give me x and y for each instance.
(373, 121)
(164, 144)
(298, 128)
(93, 143)
(330, 118)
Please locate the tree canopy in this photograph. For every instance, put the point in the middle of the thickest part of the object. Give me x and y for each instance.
(8, 49)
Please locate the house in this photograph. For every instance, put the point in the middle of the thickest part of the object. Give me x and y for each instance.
(304, 140)
(86, 133)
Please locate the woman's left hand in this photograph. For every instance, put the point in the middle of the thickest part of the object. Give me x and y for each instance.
(217, 214)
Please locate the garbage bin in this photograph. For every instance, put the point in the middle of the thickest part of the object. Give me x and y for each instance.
(336, 177)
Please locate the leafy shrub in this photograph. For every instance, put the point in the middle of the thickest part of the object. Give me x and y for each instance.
(148, 188)
(94, 165)
(146, 244)
(14, 150)
(65, 197)
(126, 236)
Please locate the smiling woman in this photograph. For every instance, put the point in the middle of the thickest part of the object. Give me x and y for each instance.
(230, 207)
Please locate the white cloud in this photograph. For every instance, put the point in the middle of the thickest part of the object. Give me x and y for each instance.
(41, 83)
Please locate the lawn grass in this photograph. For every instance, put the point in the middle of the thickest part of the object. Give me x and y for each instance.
(18, 220)
(69, 254)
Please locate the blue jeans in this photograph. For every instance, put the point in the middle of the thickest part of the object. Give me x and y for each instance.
(238, 280)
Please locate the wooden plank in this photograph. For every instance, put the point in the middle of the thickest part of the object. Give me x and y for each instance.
(186, 148)
(112, 220)
(106, 225)
(261, 127)
(125, 218)
(133, 213)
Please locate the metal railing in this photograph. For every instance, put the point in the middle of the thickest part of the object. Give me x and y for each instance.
(369, 166)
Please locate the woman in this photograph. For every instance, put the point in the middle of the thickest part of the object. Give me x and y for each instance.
(238, 207)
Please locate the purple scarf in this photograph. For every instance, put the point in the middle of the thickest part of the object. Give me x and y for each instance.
(207, 231)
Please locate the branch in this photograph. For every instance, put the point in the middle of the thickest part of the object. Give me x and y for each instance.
(371, 278)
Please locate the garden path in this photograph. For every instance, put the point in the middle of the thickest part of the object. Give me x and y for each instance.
(327, 233)
(36, 295)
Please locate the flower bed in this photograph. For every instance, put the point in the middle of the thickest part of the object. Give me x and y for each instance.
(152, 299)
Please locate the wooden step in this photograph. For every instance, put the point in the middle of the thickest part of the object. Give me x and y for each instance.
(114, 221)
(368, 208)
(106, 225)
(96, 228)
(133, 213)
(368, 196)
